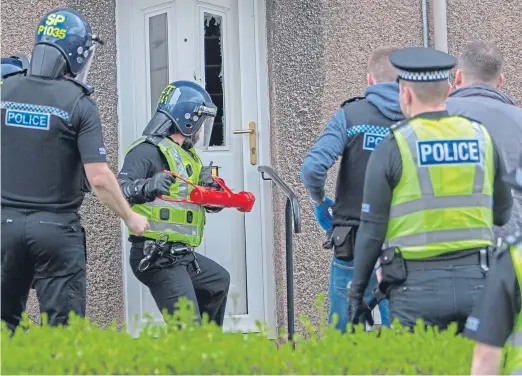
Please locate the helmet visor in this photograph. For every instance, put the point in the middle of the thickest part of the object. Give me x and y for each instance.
(203, 136)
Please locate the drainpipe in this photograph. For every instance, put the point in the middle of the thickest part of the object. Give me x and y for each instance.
(440, 25)
(425, 23)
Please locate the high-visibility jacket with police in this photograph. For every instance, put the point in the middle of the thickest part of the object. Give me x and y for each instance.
(443, 202)
(183, 222)
(513, 347)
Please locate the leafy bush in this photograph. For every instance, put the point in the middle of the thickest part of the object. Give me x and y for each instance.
(181, 347)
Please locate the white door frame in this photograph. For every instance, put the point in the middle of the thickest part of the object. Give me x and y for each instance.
(253, 63)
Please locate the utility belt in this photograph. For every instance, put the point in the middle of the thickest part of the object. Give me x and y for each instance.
(173, 251)
(395, 267)
(342, 239)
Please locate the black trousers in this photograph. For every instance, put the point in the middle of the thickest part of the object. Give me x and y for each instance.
(167, 282)
(439, 296)
(47, 249)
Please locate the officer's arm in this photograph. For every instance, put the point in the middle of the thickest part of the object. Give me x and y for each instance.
(502, 199)
(381, 173)
(323, 155)
(493, 317)
(93, 155)
(139, 165)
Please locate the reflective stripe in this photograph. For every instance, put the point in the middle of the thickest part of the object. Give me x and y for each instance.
(440, 236)
(423, 173)
(173, 205)
(441, 202)
(183, 187)
(478, 184)
(171, 227)
(515, 339)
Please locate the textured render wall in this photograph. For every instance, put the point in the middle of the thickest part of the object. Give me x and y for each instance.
(104, 268)
(317, 54)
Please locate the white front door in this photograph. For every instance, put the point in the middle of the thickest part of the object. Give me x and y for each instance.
(161, 41)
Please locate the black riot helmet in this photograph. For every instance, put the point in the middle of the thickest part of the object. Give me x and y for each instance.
(14, 64)
(64, 44)
(184, 107)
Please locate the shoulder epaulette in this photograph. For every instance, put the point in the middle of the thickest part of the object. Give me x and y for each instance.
(154, 140)
(88, 89)
(354, 99)
(399, 124)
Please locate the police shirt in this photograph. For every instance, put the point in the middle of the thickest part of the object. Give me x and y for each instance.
(383, 174)
(493, 318)
(50, 128)
(143, 162)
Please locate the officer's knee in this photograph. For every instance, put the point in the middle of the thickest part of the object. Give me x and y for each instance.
(224, 280)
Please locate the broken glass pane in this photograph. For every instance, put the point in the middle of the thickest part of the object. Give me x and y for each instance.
(158, 57)
(214, 74)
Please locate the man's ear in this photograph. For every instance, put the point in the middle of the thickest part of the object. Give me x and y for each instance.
(500, 81)
(370, 79)
(459, 80)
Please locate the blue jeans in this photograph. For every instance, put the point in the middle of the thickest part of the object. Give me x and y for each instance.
(340, 274)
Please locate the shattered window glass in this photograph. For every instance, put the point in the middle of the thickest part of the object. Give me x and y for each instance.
(158, 57)
(214, 74)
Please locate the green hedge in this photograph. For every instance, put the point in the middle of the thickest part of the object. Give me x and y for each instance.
(182, 348)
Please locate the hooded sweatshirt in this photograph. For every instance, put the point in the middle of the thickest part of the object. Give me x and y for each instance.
(332, 143)
(503, 120)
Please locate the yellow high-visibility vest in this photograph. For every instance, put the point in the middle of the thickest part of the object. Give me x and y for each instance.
(185, 221)
(443, 201)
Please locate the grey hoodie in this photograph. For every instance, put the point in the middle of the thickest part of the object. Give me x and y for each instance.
(503, 119)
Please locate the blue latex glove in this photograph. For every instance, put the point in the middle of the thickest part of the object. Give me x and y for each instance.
(323, 215)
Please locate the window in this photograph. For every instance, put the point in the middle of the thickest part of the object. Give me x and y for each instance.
(158, 57)
(214, 75)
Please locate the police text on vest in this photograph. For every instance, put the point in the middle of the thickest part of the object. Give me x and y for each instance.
(443, 152)
(371, 140)
(27, 119)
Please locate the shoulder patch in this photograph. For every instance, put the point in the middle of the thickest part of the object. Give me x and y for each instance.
(399, 124)
(88, 89)
(354, 99)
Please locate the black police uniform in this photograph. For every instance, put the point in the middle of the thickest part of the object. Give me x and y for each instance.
(453, 280)
(362, 118)
(493, 317)
(50, 128)
(167, 282)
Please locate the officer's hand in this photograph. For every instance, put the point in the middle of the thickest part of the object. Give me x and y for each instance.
(137, 223)
(205, 178)
(158, 185)
(323, 215)
(358, 310)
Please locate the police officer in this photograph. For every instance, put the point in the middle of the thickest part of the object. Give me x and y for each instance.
(165, 259)
(432, 192)
(14, 64)
(51, 137)
(496, 321)
(352, 133)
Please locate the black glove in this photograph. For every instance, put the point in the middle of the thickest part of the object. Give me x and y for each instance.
(358, 310)
(158, 185)
(205, 178)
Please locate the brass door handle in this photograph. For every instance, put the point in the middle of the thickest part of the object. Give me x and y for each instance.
(251, 131)
(244, 131)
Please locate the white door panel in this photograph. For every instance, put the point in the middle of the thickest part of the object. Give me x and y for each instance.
(162, 41)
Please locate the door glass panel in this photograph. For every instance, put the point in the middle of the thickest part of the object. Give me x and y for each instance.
(158, 57)
(214, 74)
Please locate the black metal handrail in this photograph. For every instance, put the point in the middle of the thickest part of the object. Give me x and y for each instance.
(292, 210)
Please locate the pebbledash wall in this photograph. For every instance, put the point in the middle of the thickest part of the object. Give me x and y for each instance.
(317, 53)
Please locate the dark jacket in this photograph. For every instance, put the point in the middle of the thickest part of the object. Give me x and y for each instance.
(503, 119)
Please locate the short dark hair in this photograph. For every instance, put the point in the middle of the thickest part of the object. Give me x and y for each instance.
(379, 65)
(429, 93)
(481, 61)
